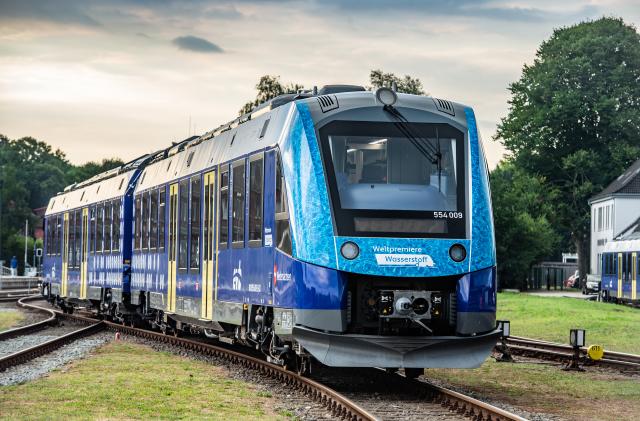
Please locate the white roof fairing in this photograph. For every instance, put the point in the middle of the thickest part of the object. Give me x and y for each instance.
(215, 150)
(621, 246)
(100, 191)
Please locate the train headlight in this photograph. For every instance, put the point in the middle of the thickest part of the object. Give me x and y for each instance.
(350, 250)
(386, 96)
(458, 253)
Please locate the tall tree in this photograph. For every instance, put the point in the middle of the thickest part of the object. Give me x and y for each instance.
(521, 212)
(269, 87)
(574, 117)
(405, 84)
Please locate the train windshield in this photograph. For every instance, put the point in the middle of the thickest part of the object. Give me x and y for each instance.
(379, 172)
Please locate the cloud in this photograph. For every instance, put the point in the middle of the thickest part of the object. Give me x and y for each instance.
(62, 11)
(461, 8)
(199, 45)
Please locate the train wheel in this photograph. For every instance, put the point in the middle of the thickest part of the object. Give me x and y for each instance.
(413, 373)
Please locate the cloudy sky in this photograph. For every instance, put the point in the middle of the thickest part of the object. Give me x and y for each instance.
(124, 77)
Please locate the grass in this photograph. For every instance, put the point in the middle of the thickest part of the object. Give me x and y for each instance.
(131, 381)
(9, 318)
(615, 327)
(545, 388)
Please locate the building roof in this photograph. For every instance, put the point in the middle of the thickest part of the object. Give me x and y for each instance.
(631, 232)
(627, 183)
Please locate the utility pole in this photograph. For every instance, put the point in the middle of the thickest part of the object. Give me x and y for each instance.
(26, 233)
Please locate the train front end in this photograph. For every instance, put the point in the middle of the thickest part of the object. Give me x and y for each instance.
(392, 247)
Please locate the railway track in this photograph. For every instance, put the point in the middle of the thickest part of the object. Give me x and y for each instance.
(339, 405)
(562, 352)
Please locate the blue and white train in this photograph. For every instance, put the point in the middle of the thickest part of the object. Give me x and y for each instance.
(619, 272)
(347, 226)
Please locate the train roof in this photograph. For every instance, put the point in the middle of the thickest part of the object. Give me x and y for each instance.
(253, 131)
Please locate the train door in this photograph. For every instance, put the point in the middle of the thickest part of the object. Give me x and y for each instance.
(634, 260)
(84, 253)
(173, 247)
(619, 295)
(209, 243)
(65, 255)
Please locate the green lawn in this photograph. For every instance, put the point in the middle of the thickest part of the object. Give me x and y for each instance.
(131, 381)
(9, 318)
(545, 388)
(550, 318)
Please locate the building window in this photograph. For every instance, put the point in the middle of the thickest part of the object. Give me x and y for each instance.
(194, 260)
(237, 204)
(224, 207)
(183, 224)
(600, 219)
(256, 177)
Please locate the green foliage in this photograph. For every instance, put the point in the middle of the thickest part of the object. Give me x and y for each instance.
(574, 117)
(269, 87)
(521, 211)
(405, 84)
(31, 172)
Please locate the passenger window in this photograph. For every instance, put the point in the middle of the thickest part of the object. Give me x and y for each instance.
(237, 222)
(183, 224)
(115, 232)
(153, 224)
(137, 220)
(283, 234)
(92, 229)
(72, 241)
(145, 221)
(78, 239)
(208, 231)
(58, 235)
(161, 215)
(224, 207)
(194, 256)
(256, 177)
(107, 227)
(99, 229)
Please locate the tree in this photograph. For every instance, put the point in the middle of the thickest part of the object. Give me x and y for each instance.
(406, 84)
(524, 234)
(31, 172)
(269, 87)
(574, 117)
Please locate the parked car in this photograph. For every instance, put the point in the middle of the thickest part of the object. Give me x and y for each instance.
(592, 285)
(573, 280)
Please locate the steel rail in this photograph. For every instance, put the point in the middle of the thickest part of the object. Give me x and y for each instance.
(469, 406)
(339, 405)
(33, 327)
(27, 354)
(555, 351)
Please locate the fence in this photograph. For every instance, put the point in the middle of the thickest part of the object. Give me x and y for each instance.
(551, 275)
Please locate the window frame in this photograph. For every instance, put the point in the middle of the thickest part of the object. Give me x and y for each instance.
(162, 214)
(236, 244)
(282, 215)
(181, 265)
(255, 242)
(195, 232)
(222, 170)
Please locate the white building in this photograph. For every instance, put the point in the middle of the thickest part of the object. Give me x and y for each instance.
(613, 210)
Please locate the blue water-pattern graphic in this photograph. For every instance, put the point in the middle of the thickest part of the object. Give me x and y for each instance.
(483, 252)
(310, 216)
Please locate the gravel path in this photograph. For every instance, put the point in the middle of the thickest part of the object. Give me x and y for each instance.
(42, 365)
(12, 345)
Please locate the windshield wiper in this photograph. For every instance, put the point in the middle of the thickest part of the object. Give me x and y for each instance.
(433, 154)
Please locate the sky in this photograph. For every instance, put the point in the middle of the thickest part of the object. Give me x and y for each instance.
(122, 78)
